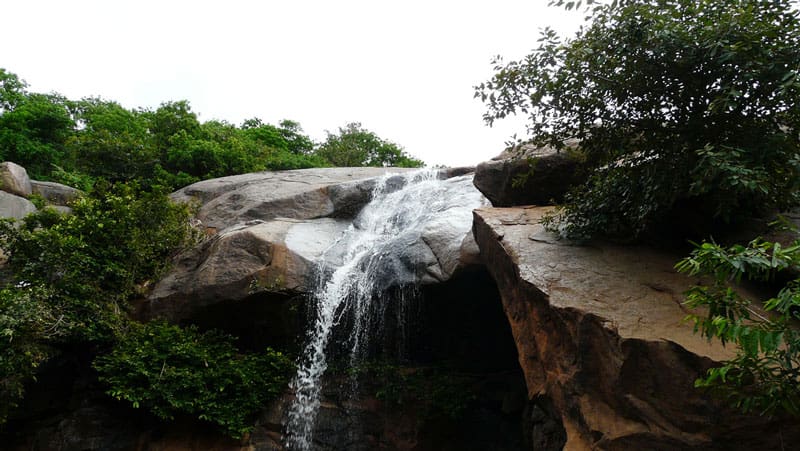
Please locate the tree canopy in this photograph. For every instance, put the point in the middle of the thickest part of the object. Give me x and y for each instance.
(80, 141)
(676, 104)
(356, 146)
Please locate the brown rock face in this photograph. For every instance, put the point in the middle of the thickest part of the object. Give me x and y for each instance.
(608, 361)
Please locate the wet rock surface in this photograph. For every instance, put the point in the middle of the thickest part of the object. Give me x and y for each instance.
(276, 255)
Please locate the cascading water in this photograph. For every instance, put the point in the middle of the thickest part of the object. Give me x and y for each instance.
(377, 252)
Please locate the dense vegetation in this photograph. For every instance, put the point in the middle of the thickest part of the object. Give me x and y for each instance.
(69, 278)
(68, 284)
(355, 146)
(181, 371)
(79, 141)
(685, 111)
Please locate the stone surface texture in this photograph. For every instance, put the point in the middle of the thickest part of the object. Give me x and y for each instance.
(55, 193)
(267, 229)
(14, 179)
(298, 194)
(552, 176)
(16, 207)
(602, 341)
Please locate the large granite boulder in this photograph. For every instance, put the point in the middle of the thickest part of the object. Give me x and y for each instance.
(608, 360)
(269, 231)
(14, 179)
(14, 207)
(528, 176)
(55, 193)
(242, 261)
(298, 194)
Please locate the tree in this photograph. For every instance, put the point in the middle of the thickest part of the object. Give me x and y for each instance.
(171, 118)
(34, 130)
(297, 142)
(356, 146)
(112, 142)
(69, 277)
(676, 104)
(12, 90)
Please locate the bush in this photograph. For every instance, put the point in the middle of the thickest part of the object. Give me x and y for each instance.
(172, 371)
(674, 102)
(72, 275)
(94, 259)
(27, 322)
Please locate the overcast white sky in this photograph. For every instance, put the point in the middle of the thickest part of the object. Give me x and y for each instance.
(404, 69)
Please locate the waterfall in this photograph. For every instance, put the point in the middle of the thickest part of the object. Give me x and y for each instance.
(377, 252)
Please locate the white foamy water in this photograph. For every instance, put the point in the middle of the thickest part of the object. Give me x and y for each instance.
(380, 250)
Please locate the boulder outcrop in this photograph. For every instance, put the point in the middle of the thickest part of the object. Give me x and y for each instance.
(16, 187)
(528, 176)
(298, 194)
(608, 360)
(269, 228)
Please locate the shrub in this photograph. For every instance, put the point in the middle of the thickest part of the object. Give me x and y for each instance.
(172, 371)
(27, 321)
(72, 275)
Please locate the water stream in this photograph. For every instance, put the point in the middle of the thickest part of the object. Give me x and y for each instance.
(382, 249)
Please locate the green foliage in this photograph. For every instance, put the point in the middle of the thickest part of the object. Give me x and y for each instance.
(765, 374)
(356, 146)
(71, 278)
(27, 321)
(115, 239)
(72, 275)
(81, 142)
(172, 371)
(113, 143)
(12, 90)
(673, 101)
(434, 392)
(34, 132)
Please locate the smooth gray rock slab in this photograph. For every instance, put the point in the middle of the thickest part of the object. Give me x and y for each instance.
(55, 193)
(281, 254)
(15, 207)
(242, 260)
(298, 194)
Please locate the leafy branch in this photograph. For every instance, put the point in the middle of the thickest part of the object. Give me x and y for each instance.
(765, 374)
